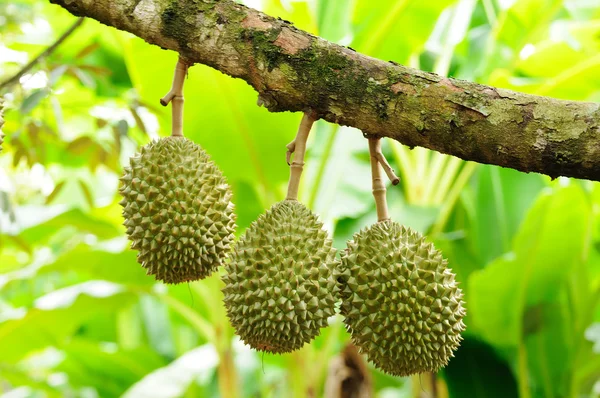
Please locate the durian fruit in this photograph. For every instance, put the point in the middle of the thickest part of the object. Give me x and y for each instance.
(400, 301)
(1, 123)
(279, 286)
(178, 210)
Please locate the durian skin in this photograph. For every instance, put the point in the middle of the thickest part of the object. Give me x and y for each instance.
(279, 287)
(401, 303)
(178, 210)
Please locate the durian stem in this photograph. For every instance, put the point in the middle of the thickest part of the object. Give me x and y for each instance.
(175, 95)
(378, 184)
(298, 148)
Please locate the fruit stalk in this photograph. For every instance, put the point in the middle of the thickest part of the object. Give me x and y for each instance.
(298, 148)
(175, 95)
(377, 161)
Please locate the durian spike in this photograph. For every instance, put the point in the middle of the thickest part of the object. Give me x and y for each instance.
(175, 95)
(377, 163)
(298, 148)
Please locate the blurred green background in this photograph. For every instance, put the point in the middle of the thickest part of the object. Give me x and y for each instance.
(79, 317)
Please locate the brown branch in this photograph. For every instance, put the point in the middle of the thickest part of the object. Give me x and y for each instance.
(15, 78)
(295, 71)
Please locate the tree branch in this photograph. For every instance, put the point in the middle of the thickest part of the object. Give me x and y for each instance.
(14, 79)
(295, 71)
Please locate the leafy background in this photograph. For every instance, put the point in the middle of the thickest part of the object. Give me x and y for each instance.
(78, 316)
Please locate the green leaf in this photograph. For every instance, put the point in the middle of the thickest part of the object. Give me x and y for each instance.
(86, 192)
(46, 228)
(524, 22)
(542, 257)
(155, 317)
(501, 198)
(521, 298)
(25, 379)
(333, 20)
(55, 192)
(80, 145)
(56, 317)
(173, 380)
(395, 29)
(200, 324)
(33, 100)
(477, 371)
(103, 365)
(95, 263)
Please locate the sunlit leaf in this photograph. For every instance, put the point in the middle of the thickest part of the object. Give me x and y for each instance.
(86, 193)
(173, 380)
(382, 28)
(40, 327)
(110, 370)
(520, 299)
(33, 100)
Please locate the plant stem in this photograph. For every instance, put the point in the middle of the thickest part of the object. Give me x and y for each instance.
(228, 386)
(175, 95)
(227, 373)
(434, 386)
(523, 376)
(378, 185)
(298, 148)
(301, 376)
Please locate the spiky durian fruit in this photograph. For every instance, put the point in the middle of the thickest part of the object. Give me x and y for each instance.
(177, 209)
(400, 301)
(279, 286)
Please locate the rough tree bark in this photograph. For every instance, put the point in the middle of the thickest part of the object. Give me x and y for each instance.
(295, 71)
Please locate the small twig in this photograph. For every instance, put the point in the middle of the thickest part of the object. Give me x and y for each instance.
(378, 185)
(15, 79)
(175, 95)
(298, 148)
(387, 168)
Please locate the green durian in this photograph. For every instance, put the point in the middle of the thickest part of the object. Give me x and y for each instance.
(401, 303)
(279, 287)
(178, 210)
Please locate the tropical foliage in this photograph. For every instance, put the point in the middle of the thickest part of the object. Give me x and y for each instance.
(78, 316)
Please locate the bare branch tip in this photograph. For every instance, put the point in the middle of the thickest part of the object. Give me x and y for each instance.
(164, 101)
